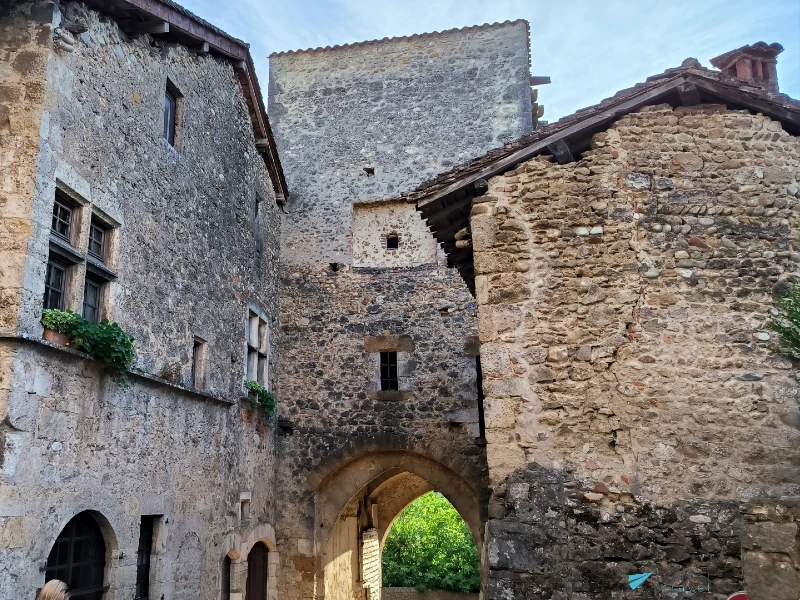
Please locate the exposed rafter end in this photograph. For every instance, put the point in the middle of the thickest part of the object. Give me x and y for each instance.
(480, 186)
(561, 152)
(689, 94)
(202, 48)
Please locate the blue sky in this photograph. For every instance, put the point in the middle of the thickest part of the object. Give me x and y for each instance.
(590, 48)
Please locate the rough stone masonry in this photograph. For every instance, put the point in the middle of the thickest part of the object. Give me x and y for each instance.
(636, 413)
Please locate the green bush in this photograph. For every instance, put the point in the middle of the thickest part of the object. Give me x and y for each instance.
(430, 548)
(787, 323)
(106, 342)
(259, 395)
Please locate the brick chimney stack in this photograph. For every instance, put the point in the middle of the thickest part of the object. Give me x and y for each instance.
(754, 64)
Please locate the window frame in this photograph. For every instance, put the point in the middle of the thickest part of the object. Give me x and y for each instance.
(392, 241)
(66, 203)
(144, 556)
(94, 280)
(53, 261)
(98, 224)
(389, 374)
(257, 346)
(170, 116)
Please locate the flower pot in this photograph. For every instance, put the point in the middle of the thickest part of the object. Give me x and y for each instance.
(55, 337)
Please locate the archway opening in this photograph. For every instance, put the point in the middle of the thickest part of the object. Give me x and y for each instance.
(257, 572)
(430, 547)
(356, 506)
(78, 558)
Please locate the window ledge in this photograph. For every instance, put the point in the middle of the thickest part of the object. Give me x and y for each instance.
(99, 267)
(134, 373)
(66, 250)
(387, 396)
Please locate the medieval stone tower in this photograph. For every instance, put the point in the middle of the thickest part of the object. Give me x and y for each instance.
(378, 336)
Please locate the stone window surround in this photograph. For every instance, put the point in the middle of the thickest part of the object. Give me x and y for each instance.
(264, 316)
(239, 547)
(74, 251)
(403, 345)
(170, 88)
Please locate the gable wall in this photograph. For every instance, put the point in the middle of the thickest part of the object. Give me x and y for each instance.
(623, 303)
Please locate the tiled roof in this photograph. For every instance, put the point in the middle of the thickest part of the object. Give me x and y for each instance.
(445, 201)
(416, 36)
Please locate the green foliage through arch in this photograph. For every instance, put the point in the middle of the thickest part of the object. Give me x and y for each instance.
(430, 548)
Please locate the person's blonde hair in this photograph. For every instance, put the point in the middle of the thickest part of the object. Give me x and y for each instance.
(53, 590)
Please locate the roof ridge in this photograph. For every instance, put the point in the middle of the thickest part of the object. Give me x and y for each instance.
(409, 37)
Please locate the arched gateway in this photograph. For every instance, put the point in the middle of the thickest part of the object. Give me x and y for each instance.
(356, 504)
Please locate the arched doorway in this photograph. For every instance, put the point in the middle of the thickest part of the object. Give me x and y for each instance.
(78, 558)
(356, 504)
(257, 572)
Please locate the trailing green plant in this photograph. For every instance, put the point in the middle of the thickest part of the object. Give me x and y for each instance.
(787, 322)
(106, 342)
(259, 395)
(171, 370)
(60, 321)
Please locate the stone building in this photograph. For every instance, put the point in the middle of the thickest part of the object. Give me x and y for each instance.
(582, 366)
(171, 228)
(625, 262)
(378, 340)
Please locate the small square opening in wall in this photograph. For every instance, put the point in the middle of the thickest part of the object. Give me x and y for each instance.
(392, 241)
(244, 505)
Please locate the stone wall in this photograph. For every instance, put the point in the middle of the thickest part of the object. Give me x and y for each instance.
(409, 108)
(187, 263)
(405, 109)
(631, 388)
(25, 38)
(330, 391)
(412, 594)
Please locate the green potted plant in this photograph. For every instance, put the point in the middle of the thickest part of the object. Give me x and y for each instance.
(259, 396)
(58, 325)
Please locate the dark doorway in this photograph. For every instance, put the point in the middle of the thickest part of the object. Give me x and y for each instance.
(78, 558)
(257, 572)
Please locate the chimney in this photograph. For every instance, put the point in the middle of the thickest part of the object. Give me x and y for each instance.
(754, 64)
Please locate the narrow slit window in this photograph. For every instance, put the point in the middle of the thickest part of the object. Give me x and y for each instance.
(62, 216)
(55, 284)
(143, 556)
(389, 380)
(170, 111)
(392, 241)
(198, 359)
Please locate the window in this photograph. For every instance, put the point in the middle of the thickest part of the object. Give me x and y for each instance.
(198, 357)
(143, 555)
(55, 284)
(92, 296)
(78, 558)
(257, 349)
(389, 371)
(62, 216)
(170, 108)
(97, 239)
(392, 241)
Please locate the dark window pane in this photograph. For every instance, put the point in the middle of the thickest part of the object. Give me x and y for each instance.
(91, 300)
(143, 558)
(170, 105)
(389, 380)
(62, 216)
(392, 242)
(78, 558)
(54, 285)
(97, 236)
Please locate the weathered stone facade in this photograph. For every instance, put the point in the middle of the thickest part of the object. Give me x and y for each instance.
(87, 118)
(405, 109)
(633, 402)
